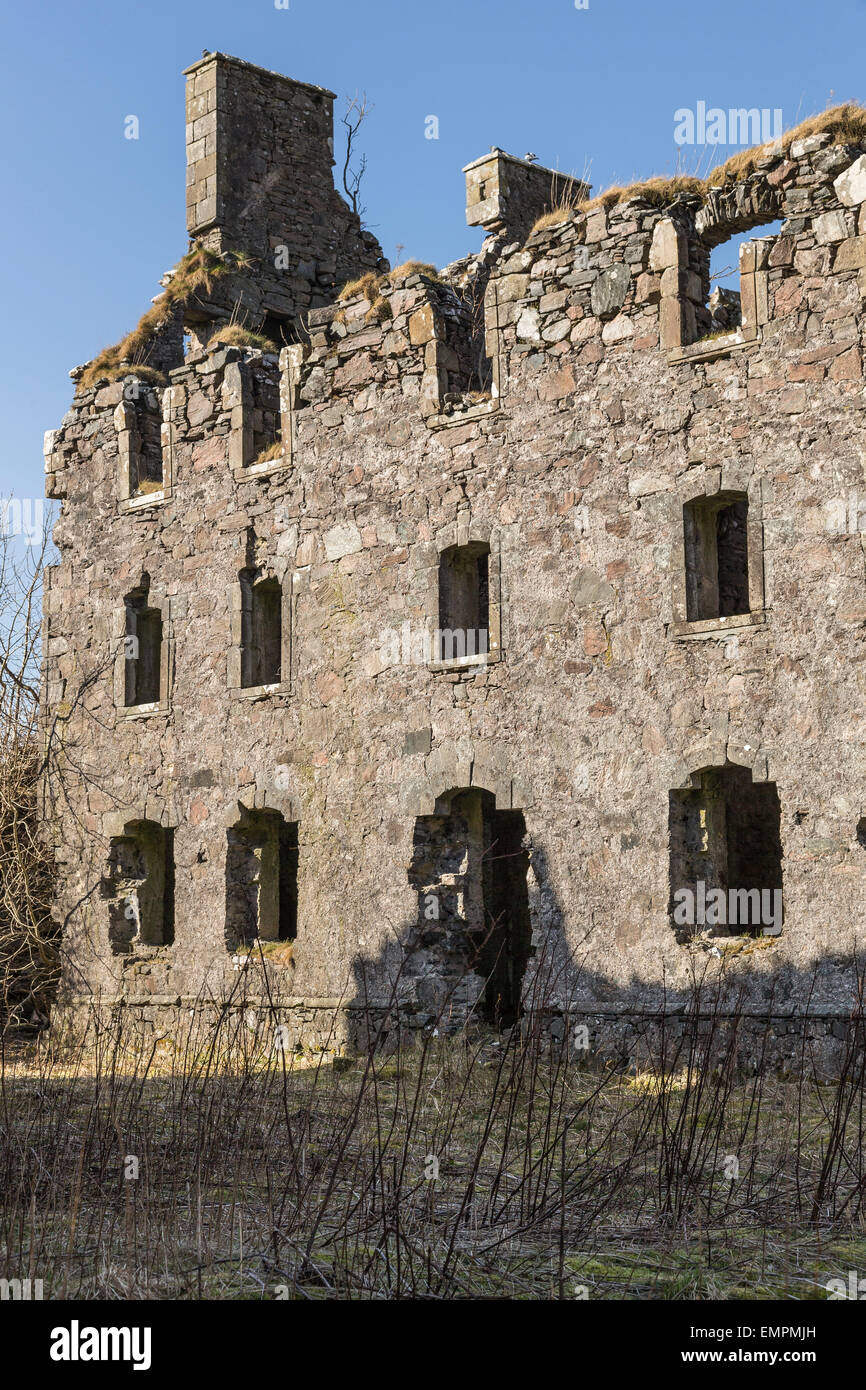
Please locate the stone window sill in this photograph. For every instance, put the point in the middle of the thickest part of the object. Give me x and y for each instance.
(724, 945)
(262, 470)
(465, 416)
(707, 348)
(143, 711)
(146, 951)
(140, 501)
(260, 692)
(466, 663)
(705, 628)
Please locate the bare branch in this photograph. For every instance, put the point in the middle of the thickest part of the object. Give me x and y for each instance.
(357, 110)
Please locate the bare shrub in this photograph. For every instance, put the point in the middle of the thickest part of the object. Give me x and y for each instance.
(28, 938)
(454, 1165)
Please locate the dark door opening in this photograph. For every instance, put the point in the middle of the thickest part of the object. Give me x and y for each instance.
(469, 868)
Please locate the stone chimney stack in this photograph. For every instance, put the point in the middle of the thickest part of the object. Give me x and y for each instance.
(506, 194)
(260, 155)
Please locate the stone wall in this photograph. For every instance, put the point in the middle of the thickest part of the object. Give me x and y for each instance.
(599, 696)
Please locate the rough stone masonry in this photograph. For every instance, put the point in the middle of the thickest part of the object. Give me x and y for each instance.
(429, 664)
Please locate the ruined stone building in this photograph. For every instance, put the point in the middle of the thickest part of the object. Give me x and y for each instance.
(422, 641)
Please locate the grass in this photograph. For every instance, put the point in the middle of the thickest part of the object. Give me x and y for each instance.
(234, 335)
(551, 219)
(371, 286)
(657, 191)
(270, 454)
(478, 1165)
(196, 271)
(846, 123)
(368, 286)
(138, 369)
(406, 268)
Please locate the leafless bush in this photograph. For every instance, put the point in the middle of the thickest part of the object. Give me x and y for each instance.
(472, 1165)
(28, 939)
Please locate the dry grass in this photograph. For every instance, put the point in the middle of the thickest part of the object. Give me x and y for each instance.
(263, 1174)
(234, 335)
(197, 271)
(370, 287)
(367, 286)
(148, 485)
(379, 310)
(144, 373)
(659, 192)
(406, 268)
(846, 123)
(551, 219)
(274, 451)
(565, 201)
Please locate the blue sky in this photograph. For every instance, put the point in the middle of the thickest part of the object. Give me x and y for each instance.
(93, 219)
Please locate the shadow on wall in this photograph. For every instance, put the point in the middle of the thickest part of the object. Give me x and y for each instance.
(489, 945)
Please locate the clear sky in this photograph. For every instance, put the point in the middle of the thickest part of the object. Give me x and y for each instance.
(92, 219)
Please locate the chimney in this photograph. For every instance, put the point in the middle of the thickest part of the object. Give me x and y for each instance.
(260, 155)
(506, 194)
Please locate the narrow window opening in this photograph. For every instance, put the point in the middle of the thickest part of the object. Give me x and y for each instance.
(261, 660)
(464, 601)
(261, 880)
(139, 884)
(725, 856)
(145, 457)
(266, 429)
(143, 652)
(715, 532)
